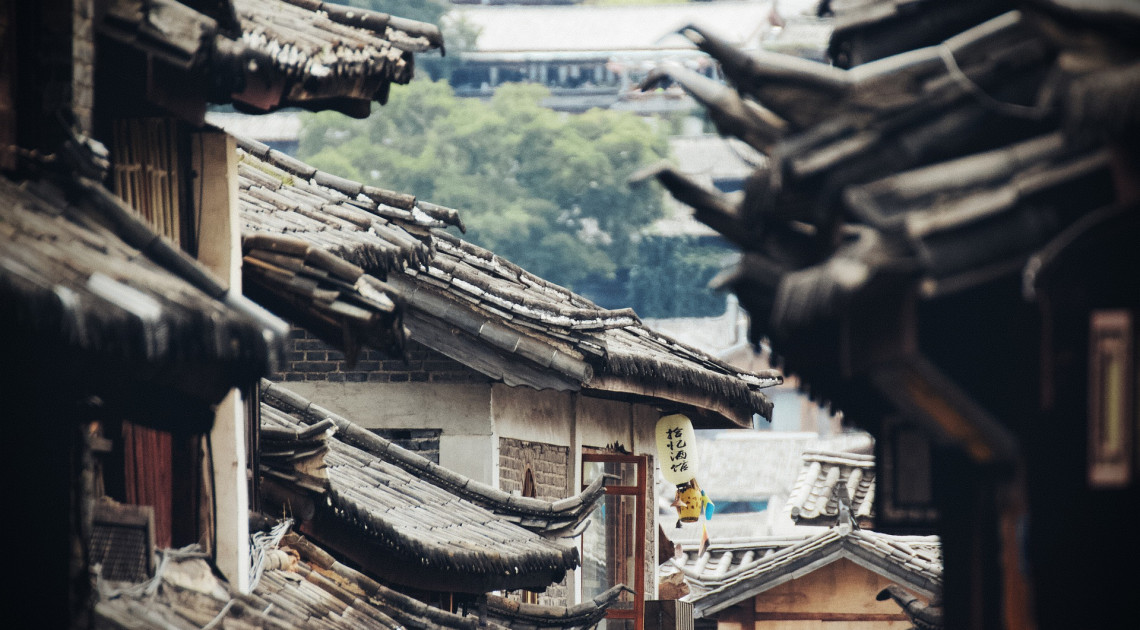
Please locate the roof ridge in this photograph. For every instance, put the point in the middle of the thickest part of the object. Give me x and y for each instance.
(845, 539)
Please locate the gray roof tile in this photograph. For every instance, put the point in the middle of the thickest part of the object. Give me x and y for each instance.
(815, 497)
(553, 337)
(400, 478)
(309, 53)
(775, 558)
(79, 270)
(300, 586)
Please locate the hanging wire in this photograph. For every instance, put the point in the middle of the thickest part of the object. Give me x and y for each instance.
(261, 543)
(149, 587)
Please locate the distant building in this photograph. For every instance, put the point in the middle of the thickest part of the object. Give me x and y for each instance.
(595, 56)
(280, 130)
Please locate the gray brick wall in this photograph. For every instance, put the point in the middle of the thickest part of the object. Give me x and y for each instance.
(307, 358)
(550, 466)
(422, 442)
(548, 463)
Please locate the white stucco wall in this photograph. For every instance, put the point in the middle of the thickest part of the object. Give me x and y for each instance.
(523, 413)
(457, 409)
(461, 411)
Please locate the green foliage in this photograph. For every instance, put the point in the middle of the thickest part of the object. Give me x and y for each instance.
(672, 273)
(543, 189)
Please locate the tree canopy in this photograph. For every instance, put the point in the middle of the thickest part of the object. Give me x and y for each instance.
(545, 190)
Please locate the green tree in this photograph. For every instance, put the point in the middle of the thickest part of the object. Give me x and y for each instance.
(543, 189)
(672, 273)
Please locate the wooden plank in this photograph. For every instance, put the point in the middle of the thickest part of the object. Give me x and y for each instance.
(269, 270)
(337, 266)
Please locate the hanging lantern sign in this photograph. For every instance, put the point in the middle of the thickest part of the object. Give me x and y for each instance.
(677, 449)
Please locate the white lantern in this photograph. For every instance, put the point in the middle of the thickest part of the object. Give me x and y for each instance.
(677, 449)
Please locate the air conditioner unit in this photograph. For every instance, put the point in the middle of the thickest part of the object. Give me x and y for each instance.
(668, 614)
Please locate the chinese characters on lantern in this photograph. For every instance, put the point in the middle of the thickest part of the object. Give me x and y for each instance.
(677, 445)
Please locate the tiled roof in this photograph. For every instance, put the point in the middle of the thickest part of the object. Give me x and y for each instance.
(413, 510)
(929, 170)
(300, 586)
(912, 561)
(269, 54)
(375, 229)
(315, 246)
(479, 309)
(730, 556)
(520, 616)
(80, 273)
(827, 478)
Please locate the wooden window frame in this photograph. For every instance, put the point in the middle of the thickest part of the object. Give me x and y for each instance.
(1111, 341)
(637, 613)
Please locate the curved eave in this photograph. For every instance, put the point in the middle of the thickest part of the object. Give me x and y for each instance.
(548, 518)
(513, 614)
(404, 608)
(81, 274)
(502, 560)
(299, 53)
(706, 410)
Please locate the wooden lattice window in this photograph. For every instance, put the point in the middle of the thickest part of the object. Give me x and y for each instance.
(145, 173)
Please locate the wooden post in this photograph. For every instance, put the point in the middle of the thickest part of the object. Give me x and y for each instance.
(214, 192)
